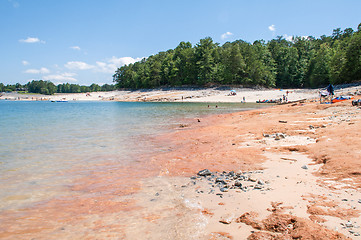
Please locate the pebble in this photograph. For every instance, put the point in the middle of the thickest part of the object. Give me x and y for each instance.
(359, 201)
(226, 181)
(223, 189)
(349, 224)
(220, 180)
(204, 172)
(281, 135)
(238, 183)
(260, 182)
(304, 167)
(252, 179)
(227, 219)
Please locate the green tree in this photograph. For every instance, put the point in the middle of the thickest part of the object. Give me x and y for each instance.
(2, 87)
(204, 60)
(352, 67)
(234, 65)
(95, 87)
(320, 70)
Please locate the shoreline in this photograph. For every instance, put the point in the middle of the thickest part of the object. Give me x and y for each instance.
(212, 95)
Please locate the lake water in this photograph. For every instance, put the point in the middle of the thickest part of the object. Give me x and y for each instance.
(45, 146)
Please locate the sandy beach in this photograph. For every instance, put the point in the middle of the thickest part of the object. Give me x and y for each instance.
(298, 166)
(290, 171)
(215, 94)
(175, 95)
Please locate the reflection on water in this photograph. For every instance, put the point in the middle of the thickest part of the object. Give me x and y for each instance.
(45, 146)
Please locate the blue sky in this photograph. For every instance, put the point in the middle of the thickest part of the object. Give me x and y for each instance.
(84, 41)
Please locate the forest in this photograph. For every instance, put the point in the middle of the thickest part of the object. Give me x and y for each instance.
(49, 88)
(303, 62)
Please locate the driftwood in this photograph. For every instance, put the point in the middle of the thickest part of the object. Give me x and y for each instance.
(289, 159)
(296, 101)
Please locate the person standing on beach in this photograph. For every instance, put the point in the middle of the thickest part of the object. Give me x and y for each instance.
(330, 90)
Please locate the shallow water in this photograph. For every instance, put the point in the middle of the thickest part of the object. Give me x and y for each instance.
(46, 148)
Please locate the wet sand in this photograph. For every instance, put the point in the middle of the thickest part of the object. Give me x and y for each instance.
(300, 168)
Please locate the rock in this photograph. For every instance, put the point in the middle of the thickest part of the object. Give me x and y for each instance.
(223, 189)
(359, 201)
(304, 167)
(281, 135)
(204, 172)
(282, 121)
(220, 180)
(277, 137)
(242, 177)
(238, 183)
(252, 179)
(260, 182)
(258, 187)
(311, 127)
(265, 135)
(193, 177)
(226, 219)
(349, 224)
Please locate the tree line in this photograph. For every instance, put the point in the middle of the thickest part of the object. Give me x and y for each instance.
(49, 88)
(301, 62)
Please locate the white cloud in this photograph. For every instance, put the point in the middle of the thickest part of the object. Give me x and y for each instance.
(288, 38)
(42, 70)
(107, 66)
(62, 77)
(77, 65)
(111, 65)
(31, 40)
(25, 63)
(226, 35)
(123, 60)
(272, 28)
(15, 3)
(75, 48)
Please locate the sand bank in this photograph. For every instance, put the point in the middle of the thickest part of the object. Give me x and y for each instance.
(179, 95)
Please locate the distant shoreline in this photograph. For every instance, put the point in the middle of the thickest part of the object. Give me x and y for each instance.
(214, 94)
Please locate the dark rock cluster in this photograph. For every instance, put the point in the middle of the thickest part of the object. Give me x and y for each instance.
(225, 181)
